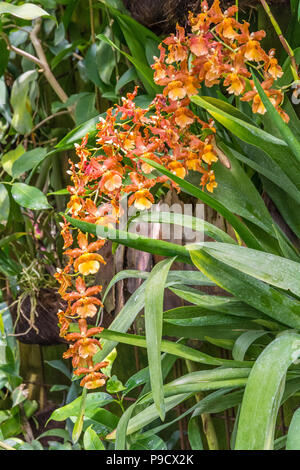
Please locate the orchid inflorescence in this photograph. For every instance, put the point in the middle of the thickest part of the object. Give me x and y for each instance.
(219, 50)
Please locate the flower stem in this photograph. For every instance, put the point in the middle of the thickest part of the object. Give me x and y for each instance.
(283, 41)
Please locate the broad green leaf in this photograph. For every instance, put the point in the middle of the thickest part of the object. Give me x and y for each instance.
(114, 385)
(127, 77)
(4, 204)
(105, 58)
(91, 69)
(29, 197)
(11, 157)
(91, 441)
(85, 108)
(27, 11)
(22, 119)
(154, 297)
(214, 303)
(215, 402)
(93, 402)
(293, 437)
(61, 366)
(248, 289)
(263, 393)
(76, 134)
(174, 277)
(56, 432)
(27, 161)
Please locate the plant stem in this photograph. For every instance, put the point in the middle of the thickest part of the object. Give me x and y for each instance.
(283, 41)
(208, 425)
(44, 64)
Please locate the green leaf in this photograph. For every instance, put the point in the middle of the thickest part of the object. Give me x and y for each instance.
(170, 347)
(149, 443)
(154, 297)
(293, 437)
(27, 11)
(114, 385)
(263, 393)
(194, 435)
(272, 269)
(22, 119)
(77, 430)
(29, 197)
(187, 221)
(27, 161)
(213, 403)
(193, 190)
(80, 131)
(243, 343)
(143, 70)
(276, 148)
(93, 402)
(264, 165)
(91, 441)
(248, 289)
(92, 71)
(61, 366)
(237, 192)
(127, 77)
(11, 157)
(286, 133)
(133, 240)
(4, 204)
(4, 56)
(105, 58)
(58, 432)
(18, 396)
(123, 321)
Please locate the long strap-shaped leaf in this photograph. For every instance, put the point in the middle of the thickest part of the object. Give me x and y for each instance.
(272, 269)
(186, 221)
(293, 437)
(158, 247)
(170, 347)
(248, 289)
(263, 393)
(154, 298)
(276, 148)
(285, 131)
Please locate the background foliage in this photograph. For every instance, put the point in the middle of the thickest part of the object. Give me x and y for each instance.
(59, 71)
